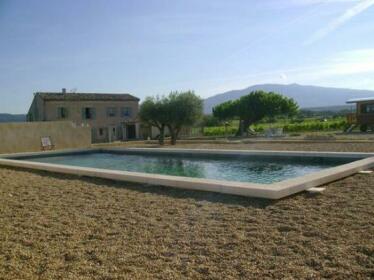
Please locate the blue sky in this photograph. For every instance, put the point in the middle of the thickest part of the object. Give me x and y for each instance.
(153, 47)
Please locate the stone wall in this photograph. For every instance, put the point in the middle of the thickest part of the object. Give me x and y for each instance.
(25, 136)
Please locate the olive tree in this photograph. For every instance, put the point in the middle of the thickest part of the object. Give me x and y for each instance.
(254, 107)
(183, 109)
(153, 112)
(174, 111)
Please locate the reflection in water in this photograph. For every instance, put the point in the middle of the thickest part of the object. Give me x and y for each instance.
(265, 168)
(173, 166)
(245, 169)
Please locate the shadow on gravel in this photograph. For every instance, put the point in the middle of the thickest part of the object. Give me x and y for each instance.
(161, 190)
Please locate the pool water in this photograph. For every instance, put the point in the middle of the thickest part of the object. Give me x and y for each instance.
(255, 169)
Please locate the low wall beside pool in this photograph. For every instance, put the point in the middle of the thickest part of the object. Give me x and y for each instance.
(25, 136)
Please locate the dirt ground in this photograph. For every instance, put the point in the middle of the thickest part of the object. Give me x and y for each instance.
(67, 227)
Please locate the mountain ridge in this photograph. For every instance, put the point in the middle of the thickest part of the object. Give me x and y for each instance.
(4, 117)
(307, 96)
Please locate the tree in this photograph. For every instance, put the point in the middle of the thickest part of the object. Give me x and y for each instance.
(153, 112)
(254, 107)
(174, 111)
(226, 110)
(182, 109)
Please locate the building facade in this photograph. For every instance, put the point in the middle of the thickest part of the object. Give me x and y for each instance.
(111, 116)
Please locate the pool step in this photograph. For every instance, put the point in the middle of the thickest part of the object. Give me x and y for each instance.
(315, 190)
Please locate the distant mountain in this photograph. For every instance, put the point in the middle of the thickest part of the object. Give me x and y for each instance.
(12, 118)
(305, 96)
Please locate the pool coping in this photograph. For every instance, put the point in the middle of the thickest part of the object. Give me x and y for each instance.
(270, 191)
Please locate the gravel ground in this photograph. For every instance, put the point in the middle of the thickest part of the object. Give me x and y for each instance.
(332, 147)
(304, 146)
(67, 227)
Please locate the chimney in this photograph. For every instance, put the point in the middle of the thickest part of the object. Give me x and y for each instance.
(63, 90)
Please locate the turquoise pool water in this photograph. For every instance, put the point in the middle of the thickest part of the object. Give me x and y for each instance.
(264, 170)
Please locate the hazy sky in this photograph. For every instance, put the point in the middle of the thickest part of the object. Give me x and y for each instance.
(152, 47)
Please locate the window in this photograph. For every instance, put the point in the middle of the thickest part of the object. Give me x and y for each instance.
(62, 113)
(88, 113)
(126, 112)
(101, 131)
(111, 112)
(367, 108)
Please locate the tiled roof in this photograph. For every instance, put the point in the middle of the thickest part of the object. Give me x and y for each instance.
(54, 96)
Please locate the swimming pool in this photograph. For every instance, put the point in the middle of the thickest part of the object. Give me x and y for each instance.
(255, 169)
(266, 174)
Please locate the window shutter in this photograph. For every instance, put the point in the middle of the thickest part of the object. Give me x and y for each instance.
(93, 113)
(66, 113)
(83, 114)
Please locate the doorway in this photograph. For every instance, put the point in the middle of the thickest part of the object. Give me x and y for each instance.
(131, 131)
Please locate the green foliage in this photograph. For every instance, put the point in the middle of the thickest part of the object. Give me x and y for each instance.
(183, 109)
(324, 113)
(259, 104)
(219, 131)
(308, 125)
(363, 128)
(254, 107)
(153, 112)
(176, 110)
(209, 120)
(226, 110)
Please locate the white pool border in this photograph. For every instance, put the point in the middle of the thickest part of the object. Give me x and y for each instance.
(271, 191)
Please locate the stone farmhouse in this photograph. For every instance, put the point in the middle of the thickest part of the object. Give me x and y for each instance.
(111, 116)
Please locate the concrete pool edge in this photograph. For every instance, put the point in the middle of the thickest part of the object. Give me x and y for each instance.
(351, 155)
(269, 191)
